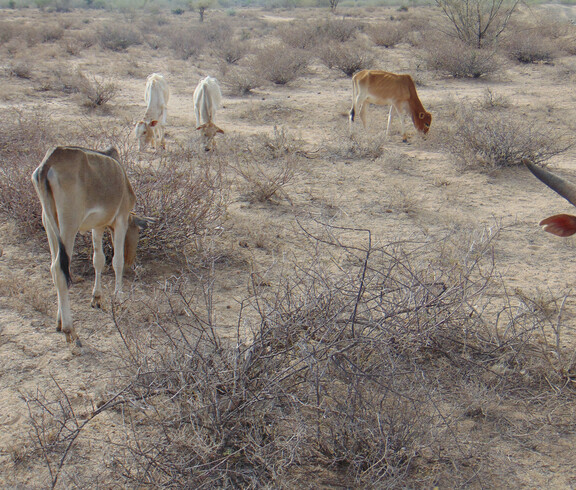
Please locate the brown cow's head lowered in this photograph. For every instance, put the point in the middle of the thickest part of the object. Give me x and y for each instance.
(560, 224)
(422, 121)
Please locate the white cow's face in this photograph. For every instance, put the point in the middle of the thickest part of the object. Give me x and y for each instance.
(209, 131)
(144, 133)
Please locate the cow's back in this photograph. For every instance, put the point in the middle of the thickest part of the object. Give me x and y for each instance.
(384, 85)
(156, 96)
(207, 98)
(80, 177)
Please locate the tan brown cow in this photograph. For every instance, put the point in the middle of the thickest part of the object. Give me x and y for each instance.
(384, 88)
(560, 224)
(83, 190)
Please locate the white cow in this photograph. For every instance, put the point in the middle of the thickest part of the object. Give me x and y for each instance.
(151, 129)
(207, 98)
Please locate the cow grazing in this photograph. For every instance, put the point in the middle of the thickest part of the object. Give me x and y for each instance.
(83, 190)
(150, 130)
(383, 88)
(207, 98)
(560, 224)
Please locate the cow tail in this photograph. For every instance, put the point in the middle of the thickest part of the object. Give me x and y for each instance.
(40, 179)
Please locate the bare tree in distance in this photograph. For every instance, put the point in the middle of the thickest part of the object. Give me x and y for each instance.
(478, 21)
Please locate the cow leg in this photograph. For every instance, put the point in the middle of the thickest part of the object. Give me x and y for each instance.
(389, 120)
(54, 265)
(402, 125)
(65, 323)
(118, 239)
(162, 141)
(99, 260)
(363, 113)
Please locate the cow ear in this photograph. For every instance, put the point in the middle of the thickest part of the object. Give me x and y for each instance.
(561, 225)
(421, 115)
(141, 223)
(218, 130)
(153, 123)
(201, 127)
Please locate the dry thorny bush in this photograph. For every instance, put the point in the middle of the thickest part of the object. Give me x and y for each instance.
(186, 200)
(267, 164)
(487, 139)
(357, 360)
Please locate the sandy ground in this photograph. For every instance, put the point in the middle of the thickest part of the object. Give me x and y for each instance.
(414, 191)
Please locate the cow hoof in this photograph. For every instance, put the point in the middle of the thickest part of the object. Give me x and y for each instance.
(96, 302)
(77, 348)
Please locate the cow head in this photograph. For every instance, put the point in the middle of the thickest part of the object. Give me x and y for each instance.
(422, 121)
(144, 132)
(209, 130)
(135, 224)
(560, 224)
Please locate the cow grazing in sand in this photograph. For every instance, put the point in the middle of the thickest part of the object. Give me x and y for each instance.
(560, 224)
(383, 88)
(207, 98)
(83, 190)
(150, 130)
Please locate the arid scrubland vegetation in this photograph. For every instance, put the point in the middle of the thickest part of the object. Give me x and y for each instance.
(311, 308)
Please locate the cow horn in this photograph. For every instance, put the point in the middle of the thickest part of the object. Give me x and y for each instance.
(563, 187)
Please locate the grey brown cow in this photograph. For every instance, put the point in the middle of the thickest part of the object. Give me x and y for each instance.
(82, 190)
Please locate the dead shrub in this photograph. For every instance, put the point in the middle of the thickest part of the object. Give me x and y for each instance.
(50, 32)
(459, 60)
(341, 30)
(492, 100)
(493, 140)
(186, 201)
(347, 58)
(299, 34)
(118, 37)
(387, 34)
(240, 80)
(267, 164)
(24, 140)
(278, 64)
(265, 181)
(358, 369)
(77, 42)
(358, 145)
(98, 91)
(8, 30)
(186, 42)
(529, 46)
(232, 50)
(20, 69)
